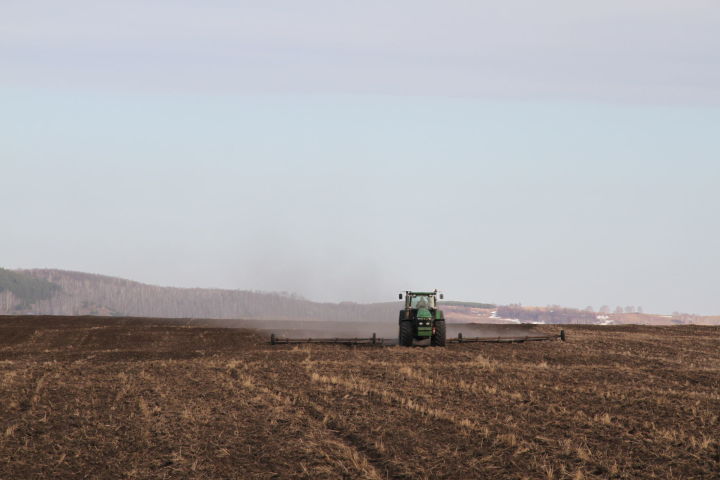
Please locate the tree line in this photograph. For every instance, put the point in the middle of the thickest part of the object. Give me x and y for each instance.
(76, 293)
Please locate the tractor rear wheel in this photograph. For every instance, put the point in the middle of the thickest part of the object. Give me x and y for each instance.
(438, 337)
(406, 334)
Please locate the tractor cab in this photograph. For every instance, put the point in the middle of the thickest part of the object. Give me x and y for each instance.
(422, 301)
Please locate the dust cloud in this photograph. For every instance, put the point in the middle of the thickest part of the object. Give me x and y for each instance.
(383, 330)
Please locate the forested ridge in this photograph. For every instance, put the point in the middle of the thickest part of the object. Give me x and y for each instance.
(59, 292)
(26, 289)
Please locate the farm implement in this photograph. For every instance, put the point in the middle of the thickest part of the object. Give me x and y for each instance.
(527, 338)
(422, 323)
(374, 340)
(385, 342)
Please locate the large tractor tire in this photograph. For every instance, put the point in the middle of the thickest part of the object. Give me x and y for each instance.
(438, 338)
(405, 338)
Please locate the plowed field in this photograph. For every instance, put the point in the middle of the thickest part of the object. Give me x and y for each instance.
(140, 398)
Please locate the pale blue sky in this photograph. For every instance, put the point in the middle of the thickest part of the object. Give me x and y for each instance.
(561, 155)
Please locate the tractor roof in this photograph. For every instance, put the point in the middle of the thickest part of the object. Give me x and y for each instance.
(421, 293)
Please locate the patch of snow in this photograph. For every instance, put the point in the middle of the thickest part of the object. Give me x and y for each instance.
(493, 314)
(602, 317)
(607, 322)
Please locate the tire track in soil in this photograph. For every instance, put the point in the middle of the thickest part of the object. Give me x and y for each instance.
(383, 466)
(372, 454)
(369, 457)
(478, 461)
(404, 404)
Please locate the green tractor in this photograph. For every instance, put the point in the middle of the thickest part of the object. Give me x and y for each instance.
(421, 320)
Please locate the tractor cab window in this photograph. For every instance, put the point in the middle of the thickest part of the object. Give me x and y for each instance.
(422, 301)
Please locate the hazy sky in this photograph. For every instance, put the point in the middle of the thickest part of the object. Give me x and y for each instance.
(517, 151)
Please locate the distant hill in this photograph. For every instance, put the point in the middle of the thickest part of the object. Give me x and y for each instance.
(560, 315)
(59, 292)
(453, 303)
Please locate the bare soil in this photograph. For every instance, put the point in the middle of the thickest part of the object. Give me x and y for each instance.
(93, 397)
